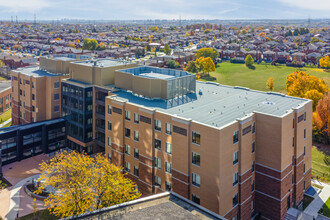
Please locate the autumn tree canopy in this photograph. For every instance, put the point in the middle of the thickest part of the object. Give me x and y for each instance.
(84, 183)
(167, 50)
(325, 62)
(90, 44)
(270, 83)
(321, 117)
(207, 52)
(301, 84)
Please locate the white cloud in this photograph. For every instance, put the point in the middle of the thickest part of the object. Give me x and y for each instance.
(319, 5)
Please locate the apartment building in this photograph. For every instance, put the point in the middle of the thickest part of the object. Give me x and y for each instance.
(234, 151)
(83, 102)
(36, 91)
(5, 96)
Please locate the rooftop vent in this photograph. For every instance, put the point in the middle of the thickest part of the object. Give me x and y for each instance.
(200, 92)
(268, 103)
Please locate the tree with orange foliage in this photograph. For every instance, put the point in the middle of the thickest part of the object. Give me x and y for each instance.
(262, 34)
(301, 84)
(321, 117)
(325, 62)
(83, 183)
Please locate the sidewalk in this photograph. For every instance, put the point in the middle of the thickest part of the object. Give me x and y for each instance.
(4, 123)
(15, 197)
(319, 199)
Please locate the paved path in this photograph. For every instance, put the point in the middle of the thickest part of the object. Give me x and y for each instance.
(319, 199)
(15, 197)
(4, 123)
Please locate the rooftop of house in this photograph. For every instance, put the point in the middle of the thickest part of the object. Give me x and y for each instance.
(103, 63)
(5, 85)
(35, 71)
(156, 73)
(218, 105)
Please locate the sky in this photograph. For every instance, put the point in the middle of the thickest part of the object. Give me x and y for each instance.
(163, 9)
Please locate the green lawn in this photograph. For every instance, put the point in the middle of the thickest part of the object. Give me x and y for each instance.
(239, 75)
(326, 208)
(42, 215)
(321, 163)
(5, 116)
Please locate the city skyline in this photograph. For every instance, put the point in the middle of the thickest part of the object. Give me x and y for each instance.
(170, 9)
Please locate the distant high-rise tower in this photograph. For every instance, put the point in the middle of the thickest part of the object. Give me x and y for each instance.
(35, 18)
(12, 21)
(16, 19)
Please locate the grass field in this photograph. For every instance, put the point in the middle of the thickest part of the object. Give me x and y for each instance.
(5, 116)
(326, 208)
(239, 75)
(321, 163)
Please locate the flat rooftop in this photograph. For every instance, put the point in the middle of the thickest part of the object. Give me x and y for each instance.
(64, 58)
(35, 72)
(218, 105)
(5, 85)
(156, 73)
(102, 62)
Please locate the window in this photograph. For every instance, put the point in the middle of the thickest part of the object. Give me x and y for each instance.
(252, 205)
(305, 116)
(158, 181)
(168, 148)
(235, 179)
(253, 146)
(56, 108)
(136, 118)
(304, 150)
(20, 81)
(89, 107)
(253, 127)
(56, 96)
(158, 144)
(196, 180)
(235, 199)
(196, 159)
(109, 141)
(168, 167)
(128, 115)
(235, 157)
(20, 92)
(89, 94)
(195, 199)
(56, 85)
(305, 133)
(168, 128)
(252, 186)
(158, 125)
(90, 134)
(33, 97)
(127, 167)
(196, 137)
(304, 168)
(234, 218)
(168, 186)
(109, 126)
(158, 163)
(127, 132)
(33, 108)
(109, 156)
(109, 110)
(32, 84)
(235, 137)
(89, 121)
(292, 123)
(293, 142)
(136, 153)
(136, 170)
(136, 135)
(253, 166)
(127, 149)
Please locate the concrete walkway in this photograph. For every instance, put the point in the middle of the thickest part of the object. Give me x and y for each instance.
(4, 123)
(15, 197)
(319, 199)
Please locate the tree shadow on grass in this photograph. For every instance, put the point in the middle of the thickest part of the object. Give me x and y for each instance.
(251, 67)
(208, 78)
